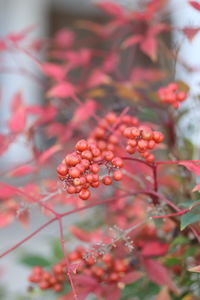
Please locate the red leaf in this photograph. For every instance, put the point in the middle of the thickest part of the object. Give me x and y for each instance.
(149, 47)
(110, 62)
(62, 90)
(131, 277)
(22, 170)
(190, 32)
(64, 38)
(159, 274)
(80, 234)
(48, 153)
(195, 269)
(154, 249)
(6, 190)
(5, 219)
(18, 121)
(131, 41)
(17, 102)
(111, 8)
(54, 71)
(195, 5)
(17, 37)
(84, 111)
(191, 167)
(97, 77)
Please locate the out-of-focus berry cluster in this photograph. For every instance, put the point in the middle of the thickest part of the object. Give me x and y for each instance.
(172, 95)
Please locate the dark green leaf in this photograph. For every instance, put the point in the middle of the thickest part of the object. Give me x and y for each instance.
(35, 260)
(189, 218)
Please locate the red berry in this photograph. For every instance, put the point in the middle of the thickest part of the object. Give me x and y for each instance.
(57, 287)
(111, 117)
(81, 146)
(128, 132)
(117, 162)
(74, 172)
(84, 194)
(94, 168)
(71, 189)
(130, 149)
(107, 180)
(117, 175)
(132, 143)
(87, 154)
(108, 155)
(62, 170)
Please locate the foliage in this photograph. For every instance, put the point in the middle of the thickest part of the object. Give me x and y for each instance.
(141, 242)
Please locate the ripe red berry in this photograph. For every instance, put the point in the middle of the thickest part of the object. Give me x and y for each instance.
(81, 146)
(84, 194)
(87, 154)
(130, 149)
(57, 287)
(117, 175)
(111, 117)
(107, 180)
(62, 169)
(117, 162)
(108, 155)
(94, 168)
(74, 172)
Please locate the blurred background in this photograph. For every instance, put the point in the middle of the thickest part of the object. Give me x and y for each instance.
(46, 17)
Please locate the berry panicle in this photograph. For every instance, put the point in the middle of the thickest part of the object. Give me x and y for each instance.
(172, 95)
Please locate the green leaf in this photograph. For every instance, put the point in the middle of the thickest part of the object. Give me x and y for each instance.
(189, 218)
(56, 249)
(187, 204)
(180, 240)
(35, 260)
(171, 261)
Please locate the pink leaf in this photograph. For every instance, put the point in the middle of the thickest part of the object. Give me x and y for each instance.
(111, 8)
(17, 37)
(154, 248)
(48, 153)
(5, 219)
(131, 277)
(53, 71)
(97, 78)
(190, 32)
(131, 41)
(80, 234)
(195, 5)
(84, 111)
(62, 90)
(22, 170)
(64, 38)
(149, 47)
(6, 190)
(18, 121)
(191, 167)
(159, 274)
(195, 269)
(17, 102)
(196, 188)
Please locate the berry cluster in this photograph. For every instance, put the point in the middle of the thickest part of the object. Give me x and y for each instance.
(107, 269)
(141, 139)
(80, 169)
(48, 280)
(171, 94)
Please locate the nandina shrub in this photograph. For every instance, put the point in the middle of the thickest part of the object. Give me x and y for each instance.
(110, 128)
